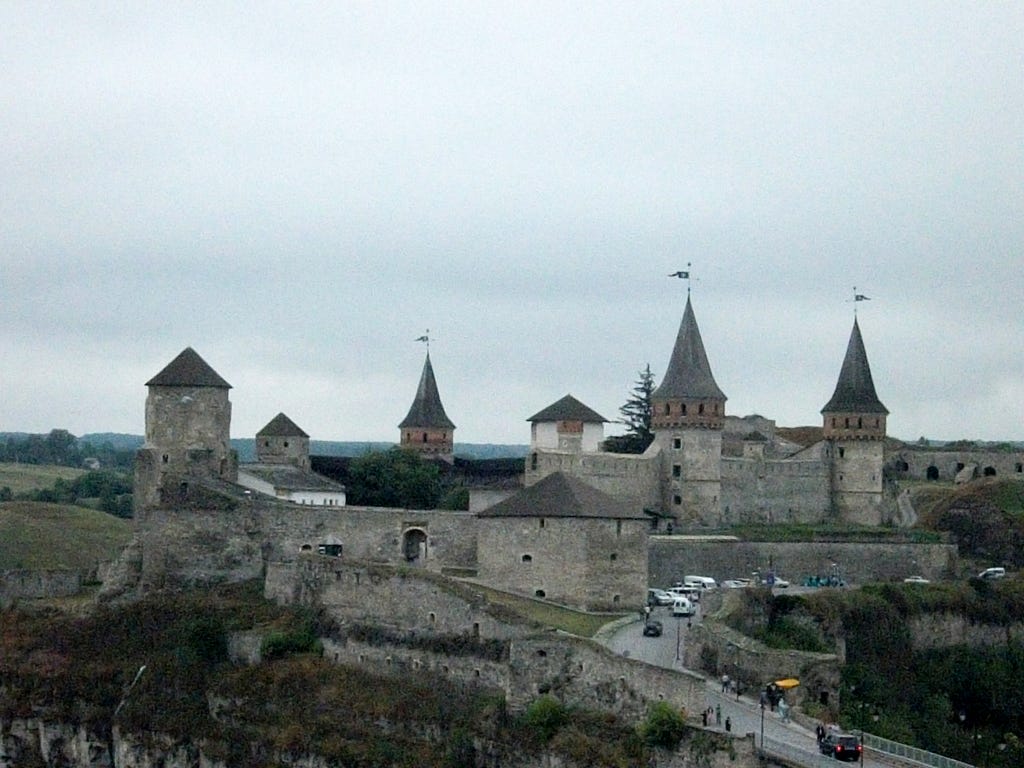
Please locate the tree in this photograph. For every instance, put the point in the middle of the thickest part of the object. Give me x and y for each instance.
(636, 415)
(393, 478)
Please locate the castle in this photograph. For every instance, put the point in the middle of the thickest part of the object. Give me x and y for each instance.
(706, 469)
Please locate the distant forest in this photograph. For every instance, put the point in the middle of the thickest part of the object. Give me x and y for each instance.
(117, 451)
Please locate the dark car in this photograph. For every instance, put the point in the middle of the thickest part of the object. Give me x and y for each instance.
(652, 629)
(841, 746)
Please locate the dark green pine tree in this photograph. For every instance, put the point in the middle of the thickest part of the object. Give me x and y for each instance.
(636, 415)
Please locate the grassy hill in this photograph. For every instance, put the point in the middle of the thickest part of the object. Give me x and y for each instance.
(41, 536)
(31, 477)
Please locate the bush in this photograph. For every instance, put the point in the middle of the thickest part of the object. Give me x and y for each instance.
(545, 716)
(664, 726)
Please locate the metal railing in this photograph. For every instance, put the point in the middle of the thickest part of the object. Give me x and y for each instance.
(909, 753)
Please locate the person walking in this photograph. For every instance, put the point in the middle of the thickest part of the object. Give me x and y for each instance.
(819, 731)
(728, 725)
(718, 715)
(725, 683)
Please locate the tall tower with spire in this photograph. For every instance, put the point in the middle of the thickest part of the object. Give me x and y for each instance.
(427, 428)
(688, 414)
(854, 431)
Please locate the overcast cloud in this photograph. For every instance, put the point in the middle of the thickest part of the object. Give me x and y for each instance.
(299, 190)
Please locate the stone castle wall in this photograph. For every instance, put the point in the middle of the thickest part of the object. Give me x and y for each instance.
(672, 557)
(631, 478)
(758, 490)
(945, 465)
(574, 670)
(529, 556)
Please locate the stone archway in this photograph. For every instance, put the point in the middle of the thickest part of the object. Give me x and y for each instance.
(932, 473)
(414, 545)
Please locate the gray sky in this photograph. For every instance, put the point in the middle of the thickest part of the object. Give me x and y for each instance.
(299, 191)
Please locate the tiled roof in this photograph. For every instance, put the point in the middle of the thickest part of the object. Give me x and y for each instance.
(689, 373)
(290, 478)
(561, 495)
(426, 410)
(568, 409)
(281, 426)
(188, 369)
(855, 390)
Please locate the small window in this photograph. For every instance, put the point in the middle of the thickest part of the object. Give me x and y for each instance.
(527, 558)
(616, 599)
(1020, 467)
(618, 527)
(700, 408)
(677, 500)
(542, 653)
(533, 461)
(842, 452)
(285, 443)
(847, 422)
(266, 443)
(614, 556)
(677, 443)
(542, 522)
(668, 409)
(677, 470)
(432, 617)
(539, 593)
(424, 437)
(165, 458)
(860, 423)
(683, 409)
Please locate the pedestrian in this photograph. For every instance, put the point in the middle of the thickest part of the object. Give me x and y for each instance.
(725, 683)
(718, 715)
(819, 731)
(728, 725)
(647, 612)
(737, 684)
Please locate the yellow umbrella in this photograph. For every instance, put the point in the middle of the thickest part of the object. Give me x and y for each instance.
(789, 682)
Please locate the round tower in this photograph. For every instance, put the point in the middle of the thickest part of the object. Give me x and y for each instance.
(688, 414)
(853, 421)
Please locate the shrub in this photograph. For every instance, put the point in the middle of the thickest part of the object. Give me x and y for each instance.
(664, 726)
(545, 716)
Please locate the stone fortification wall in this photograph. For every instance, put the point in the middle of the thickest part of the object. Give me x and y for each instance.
(775, 491)
(583, 673)
(944, 465)
(210, 546)
(528, 556)
(400, 598)
(672, 557)
(574, 670)
(942, 630)
(24, 584)
(635, 479)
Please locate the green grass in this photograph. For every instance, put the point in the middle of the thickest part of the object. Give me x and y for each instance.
(32, 477)
(42, 536)
(566, 619)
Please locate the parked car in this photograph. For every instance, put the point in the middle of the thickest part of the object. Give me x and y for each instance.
(736, 583)
(659, 597)
(993, 573)
(916, 580)
(841, 746)
(690, 593)
(700, 582)
(652, 628)
(683, 607)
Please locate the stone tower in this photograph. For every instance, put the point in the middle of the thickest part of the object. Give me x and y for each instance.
(427, 428)
(688, 413)
(854, 431)
(282, 442)
(188, 425)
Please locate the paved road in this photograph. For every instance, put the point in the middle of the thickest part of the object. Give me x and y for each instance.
(744, 713)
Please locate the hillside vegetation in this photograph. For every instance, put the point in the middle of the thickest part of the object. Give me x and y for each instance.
(21, 478)
(293, 704)
(43, 536)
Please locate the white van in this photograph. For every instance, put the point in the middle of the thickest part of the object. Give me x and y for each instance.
(700, 582)
(993, 573)
(682, 607)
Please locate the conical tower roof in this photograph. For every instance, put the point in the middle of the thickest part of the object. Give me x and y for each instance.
(855, 390)
(426, 410)
(188, 369)
(689, 373)
(281, 426)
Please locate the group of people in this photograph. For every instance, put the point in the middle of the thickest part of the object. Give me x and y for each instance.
(716, 713)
